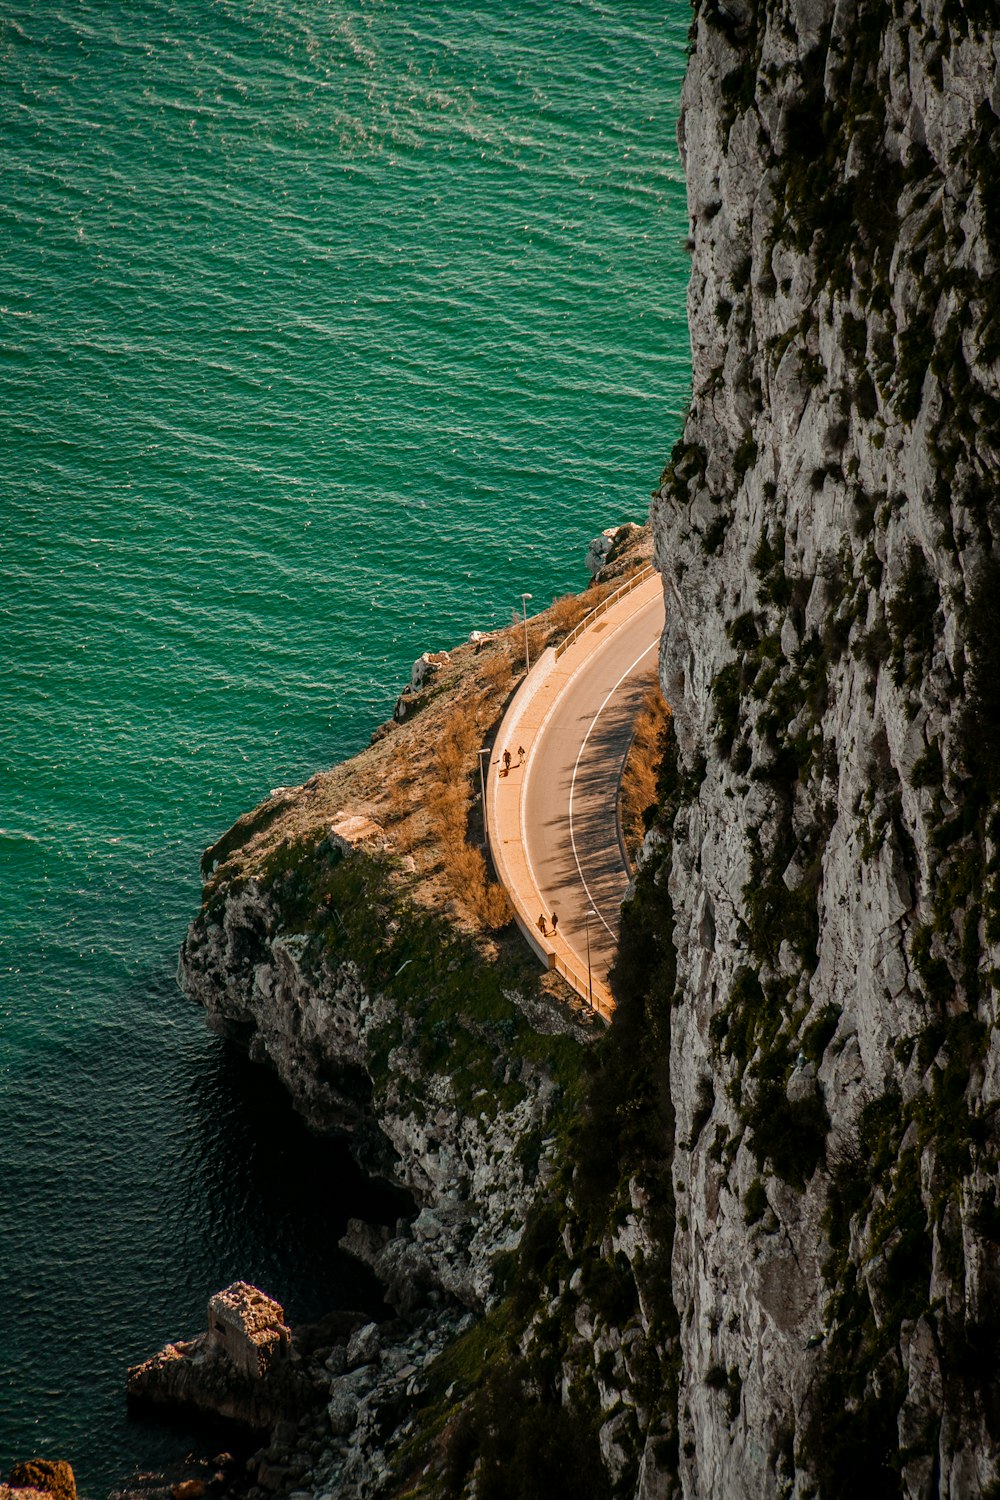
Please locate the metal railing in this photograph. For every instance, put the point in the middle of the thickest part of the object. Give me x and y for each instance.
(604, 606)
(577, 981)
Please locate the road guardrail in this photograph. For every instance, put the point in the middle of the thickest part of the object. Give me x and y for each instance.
(604, 606)
(590, 991)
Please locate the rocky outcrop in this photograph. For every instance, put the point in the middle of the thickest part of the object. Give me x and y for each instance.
(245, 1369)
(605, 550)
(40, 1479)
(334, 1398)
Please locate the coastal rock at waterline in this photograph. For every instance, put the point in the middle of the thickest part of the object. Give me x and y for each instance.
(425, 667)
(599, 551)
(244, 1368)
(36, 1478)
(605, 548)
(415, 694)
(407, 704)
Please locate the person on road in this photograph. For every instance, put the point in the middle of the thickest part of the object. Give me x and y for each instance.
(506, 760)
(521, 753)
(543, 929)
(555, 924)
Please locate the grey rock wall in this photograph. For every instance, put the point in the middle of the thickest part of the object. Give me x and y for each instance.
(469, 1159)
(826, 532)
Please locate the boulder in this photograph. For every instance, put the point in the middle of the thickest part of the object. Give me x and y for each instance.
(364, 1346)
(53, 1478)
(345, 1396)
(188, 1489)
(426, 667)
(599, 551)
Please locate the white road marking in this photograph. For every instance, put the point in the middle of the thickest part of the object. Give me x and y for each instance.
(566, 680)
(653, 646)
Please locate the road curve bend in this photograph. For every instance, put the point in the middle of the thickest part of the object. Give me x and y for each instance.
(552, 820)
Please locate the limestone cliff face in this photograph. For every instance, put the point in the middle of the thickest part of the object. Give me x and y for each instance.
(827, 531)
(384, 1023)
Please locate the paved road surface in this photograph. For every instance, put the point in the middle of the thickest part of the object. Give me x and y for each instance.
(570, 797)
(553, 823)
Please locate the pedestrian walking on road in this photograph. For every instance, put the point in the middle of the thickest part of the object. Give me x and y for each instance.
(506, 760)
(541, 926)
(521, 752)
(555, 924)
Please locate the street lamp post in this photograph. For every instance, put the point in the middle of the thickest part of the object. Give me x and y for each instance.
(590, 977)
(482, 787)
(524, 606)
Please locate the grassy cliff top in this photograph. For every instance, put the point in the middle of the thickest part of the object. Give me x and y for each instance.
(414, 791)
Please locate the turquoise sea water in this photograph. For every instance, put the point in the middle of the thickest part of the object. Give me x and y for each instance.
(328, 327)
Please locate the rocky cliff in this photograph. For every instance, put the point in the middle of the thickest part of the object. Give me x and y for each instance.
(767, 1261)
(827, 534)
(351, 939)
(385, 1023)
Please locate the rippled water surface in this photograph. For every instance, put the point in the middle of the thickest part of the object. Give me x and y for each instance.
(327, 329)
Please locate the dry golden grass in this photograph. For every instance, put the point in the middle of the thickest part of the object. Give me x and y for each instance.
(567, 612)
(497, 672)
(451, 786)
(483, 899)
(419, 779)
(637, 791)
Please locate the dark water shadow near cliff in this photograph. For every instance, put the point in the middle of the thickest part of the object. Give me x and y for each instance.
(289, 1193)
(178, 1447)
(152, 1165)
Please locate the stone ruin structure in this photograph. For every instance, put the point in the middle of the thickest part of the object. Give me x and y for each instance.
(249, 1328)
(245, 1368)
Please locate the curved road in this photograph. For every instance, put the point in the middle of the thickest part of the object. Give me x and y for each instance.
(570, 798)
(553, 822)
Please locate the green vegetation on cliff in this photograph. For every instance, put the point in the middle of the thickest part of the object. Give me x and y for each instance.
(522, 1399)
